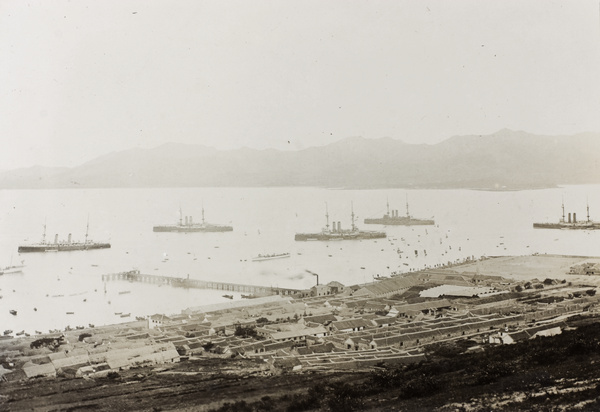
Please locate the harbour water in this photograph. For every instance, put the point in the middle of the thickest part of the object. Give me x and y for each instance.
(56, 290)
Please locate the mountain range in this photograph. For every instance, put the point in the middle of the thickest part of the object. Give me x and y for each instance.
(504, 160)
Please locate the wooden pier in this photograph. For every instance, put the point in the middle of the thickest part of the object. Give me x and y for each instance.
(136, 276)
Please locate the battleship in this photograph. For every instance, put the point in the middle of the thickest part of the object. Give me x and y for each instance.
(571, 222)
(187, 225)
(62, 246)
(395, 219)
(337, 233)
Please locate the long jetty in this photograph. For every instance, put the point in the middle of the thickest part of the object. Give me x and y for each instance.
(136, 276)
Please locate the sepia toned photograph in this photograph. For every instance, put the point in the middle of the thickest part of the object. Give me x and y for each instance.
(299, 205)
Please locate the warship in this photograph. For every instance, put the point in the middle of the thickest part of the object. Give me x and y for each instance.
(571, 222)
(395, 219)
(188, 225)
(62, 246)
(337, 233)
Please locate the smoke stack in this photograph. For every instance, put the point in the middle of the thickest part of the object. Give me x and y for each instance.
(574, 217)
(191, 220)
(569, 218)
(56, 238)
(335, 229)
(339, 226)
(69, 241)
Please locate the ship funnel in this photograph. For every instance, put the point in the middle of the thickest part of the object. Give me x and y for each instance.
(191, 220)
(186, 220)
(69, 240)
(56, 238)
(569, 218)
(333, 226)
(574, 217)
(339, 228)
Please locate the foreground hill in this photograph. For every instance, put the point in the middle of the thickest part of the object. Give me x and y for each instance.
(504, 160)
(555, 373)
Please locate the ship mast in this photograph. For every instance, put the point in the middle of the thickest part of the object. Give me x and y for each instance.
(44, 234)
(407, 214)
(87, 229)
(352, 215)
(180, 216)
(327, 216)
(588, 209)
(202, 212)
(388, 205)
(563, 209)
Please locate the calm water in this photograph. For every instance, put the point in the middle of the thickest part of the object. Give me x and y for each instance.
(468, 223)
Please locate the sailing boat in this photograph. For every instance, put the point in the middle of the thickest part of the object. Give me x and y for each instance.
(12, 269)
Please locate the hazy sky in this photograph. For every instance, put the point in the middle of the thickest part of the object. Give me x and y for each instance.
(83, 78)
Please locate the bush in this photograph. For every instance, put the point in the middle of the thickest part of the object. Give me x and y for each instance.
(344, 397)
(245, 332)
(84, 335)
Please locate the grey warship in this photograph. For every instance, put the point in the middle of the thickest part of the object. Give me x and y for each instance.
(572, 223)
(395, 219)
(63, 246)
(337, 233)
(188, 225)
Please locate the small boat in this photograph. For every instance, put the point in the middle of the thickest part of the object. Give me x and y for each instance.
(20, 333)
(124, 292)
(118, 313)
(228, 296)
(7, 332)
(13, 312)
(125, 315)
(271, 256)
(70, 313)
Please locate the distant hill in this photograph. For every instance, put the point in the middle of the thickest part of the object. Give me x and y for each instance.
(504, 160)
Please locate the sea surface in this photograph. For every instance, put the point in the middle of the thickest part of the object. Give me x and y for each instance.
(56, 290)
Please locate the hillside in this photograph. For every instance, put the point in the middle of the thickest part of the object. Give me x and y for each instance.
(504, 160)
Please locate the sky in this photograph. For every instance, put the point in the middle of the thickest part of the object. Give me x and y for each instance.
(79, 79)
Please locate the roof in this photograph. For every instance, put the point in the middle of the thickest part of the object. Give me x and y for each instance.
(298, 333)
(387, 286)
(454, 290)
(351, 324)
(434, 304)
(32, 370)
(322, 319)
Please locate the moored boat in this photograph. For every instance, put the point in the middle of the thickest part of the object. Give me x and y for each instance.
(64, 245)
(188, 226)
(271, 256)
(571, 223)
(337, 233)
(394, 218)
